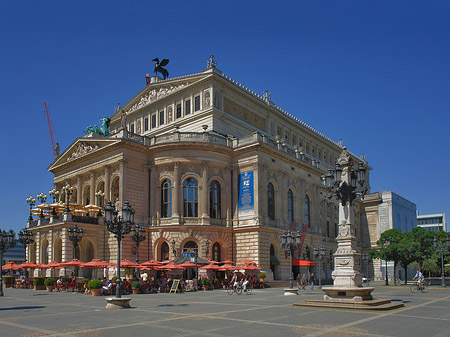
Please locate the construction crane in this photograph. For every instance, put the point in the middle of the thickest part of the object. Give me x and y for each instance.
(55, 147)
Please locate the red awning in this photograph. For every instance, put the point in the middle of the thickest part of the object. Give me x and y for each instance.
(296, 262)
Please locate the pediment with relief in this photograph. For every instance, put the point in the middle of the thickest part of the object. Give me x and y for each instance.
(82, 147)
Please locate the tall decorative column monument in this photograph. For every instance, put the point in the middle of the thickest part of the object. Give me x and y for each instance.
(347, 184)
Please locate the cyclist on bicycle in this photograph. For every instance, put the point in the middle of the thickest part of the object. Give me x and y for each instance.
(235, 280)
(245, 282)
(419, 277)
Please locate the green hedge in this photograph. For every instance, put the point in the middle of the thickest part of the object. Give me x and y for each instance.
(49, 281)
(38, 281)
(9, 280)
(135, 285)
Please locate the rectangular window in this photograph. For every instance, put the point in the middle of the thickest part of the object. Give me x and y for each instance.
(197, 103)
(153, 121)
(178, 115)
(328, 229)
(187, 107)
(132, 128)
(161, 117)
(146, 124)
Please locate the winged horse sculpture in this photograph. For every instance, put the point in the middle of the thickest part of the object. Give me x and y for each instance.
(159, 67)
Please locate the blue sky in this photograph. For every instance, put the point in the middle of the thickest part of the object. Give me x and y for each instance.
(373, 73)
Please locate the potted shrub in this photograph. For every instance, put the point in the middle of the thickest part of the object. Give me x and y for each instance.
(38, 283)
(114, 279)
(8, 281)
(49, 283)
(262, 276)
(95, 286)
(135, 286)
(205, 283)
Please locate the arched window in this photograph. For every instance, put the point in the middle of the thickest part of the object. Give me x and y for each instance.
(270, 202)
(214, 200)
(190, 198)
(166, 199)
(307, 209)
(290, 206)
(190, 245)
(164, 251)
(216, 256)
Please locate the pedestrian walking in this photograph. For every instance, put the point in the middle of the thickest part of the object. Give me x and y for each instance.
(312, 280)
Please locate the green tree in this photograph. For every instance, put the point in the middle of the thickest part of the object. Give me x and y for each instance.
(424, 241)
(389, 249)
(408, 250)
(430, 266)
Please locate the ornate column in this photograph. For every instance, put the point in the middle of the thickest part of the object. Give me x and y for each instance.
(107, 184)
(176, 193)
(92, 189)
(121, 181)
(226, 195)
(79, 190)
(204, 193)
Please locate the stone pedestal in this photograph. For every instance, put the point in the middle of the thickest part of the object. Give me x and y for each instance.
(118, 303)
(290, 291)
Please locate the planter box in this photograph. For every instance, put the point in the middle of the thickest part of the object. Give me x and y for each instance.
(39, 288)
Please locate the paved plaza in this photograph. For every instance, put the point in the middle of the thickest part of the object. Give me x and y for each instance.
(266, 312)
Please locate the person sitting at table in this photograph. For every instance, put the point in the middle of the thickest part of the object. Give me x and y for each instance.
(106, 286)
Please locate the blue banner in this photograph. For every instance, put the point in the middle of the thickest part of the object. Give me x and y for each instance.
(246, 194)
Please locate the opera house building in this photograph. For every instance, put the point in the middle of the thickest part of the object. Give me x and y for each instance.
(205, 163)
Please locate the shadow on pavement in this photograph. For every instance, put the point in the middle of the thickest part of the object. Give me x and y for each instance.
(23, 308)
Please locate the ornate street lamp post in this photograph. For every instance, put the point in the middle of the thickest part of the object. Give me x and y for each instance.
(137, 236)
(347, 184)
(119, 226)
(75, 236)
(6, 241)
(207, 248)
(31, 201)
(68, 190)
(54, 193)
(441, 247)
(290, 242)
(319, 254)
(42, 198)
(26, 237)
(174, 251)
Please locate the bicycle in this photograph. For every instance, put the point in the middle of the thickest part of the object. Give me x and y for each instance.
(419, 287)
(395, 281)
(248, 288)
(231, 289)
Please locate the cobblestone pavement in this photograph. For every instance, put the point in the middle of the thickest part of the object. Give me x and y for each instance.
(266, 312)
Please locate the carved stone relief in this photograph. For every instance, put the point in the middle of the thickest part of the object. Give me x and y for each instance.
(155, 94)
(81, 149)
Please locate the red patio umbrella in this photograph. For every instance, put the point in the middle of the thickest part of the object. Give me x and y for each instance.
(189, 264)
(72, 263)
(250, 267)
(11, 265)
(171, 266)
(52, 265)
(28, 265)
(227, 262)
(150, 264)
(96, 263)
(247, 262)
(210, 266)
(128, 264)
(226, 267)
